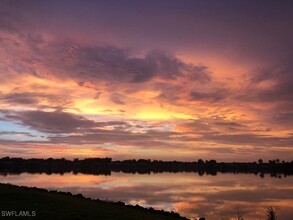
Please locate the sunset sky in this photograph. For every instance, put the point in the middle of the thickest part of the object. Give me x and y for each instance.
(158, 79)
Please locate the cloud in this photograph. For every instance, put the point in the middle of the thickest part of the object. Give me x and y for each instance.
(229, 124)
(112, 63)
(43, 58)
(214, 96)
(59, 122)
(80, 130)
(35, 99)
(19, 98)
(233, 133)
(16, 133)
(119, 137)
(86, 71)
(214, 126)
(51, 122)
(117, 98)
(271, 84)
(249, 139)
(284, 117)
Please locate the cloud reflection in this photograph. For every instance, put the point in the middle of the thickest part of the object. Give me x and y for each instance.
(214, 197)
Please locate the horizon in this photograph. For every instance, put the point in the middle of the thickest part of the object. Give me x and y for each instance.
(165, 80)
(278, 161)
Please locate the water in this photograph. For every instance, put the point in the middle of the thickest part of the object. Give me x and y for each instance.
(214, 197)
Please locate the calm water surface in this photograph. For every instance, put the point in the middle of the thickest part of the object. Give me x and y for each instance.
(215, 197)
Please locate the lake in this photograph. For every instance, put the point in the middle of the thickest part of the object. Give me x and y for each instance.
(191, 195)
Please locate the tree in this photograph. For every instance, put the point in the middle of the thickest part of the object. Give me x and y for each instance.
(271, 213)
(212, 161)
(260, 161)
(200, 161)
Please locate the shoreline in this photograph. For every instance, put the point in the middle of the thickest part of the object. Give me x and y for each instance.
(37, 203)
(105, 166)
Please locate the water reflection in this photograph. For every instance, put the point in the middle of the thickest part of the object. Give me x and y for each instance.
(215, 197)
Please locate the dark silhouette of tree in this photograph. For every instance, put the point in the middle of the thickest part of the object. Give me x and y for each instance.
(200, 161)
(105, 166)
(260, 161)
(271, 213)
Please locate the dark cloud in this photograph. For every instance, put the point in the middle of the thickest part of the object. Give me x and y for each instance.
(229, 124)
(120, 132)
(232, 133)
(35, 99)
(111, 63)
(52, 122)
(87, 131)
(169, 93)
(19, 98)
(280, 80)
(98, 94)
(121, 137)
(213, 96)
(117, 98)
(57, 121)
(38, 57)
(245, 30)
(249, 139)
(16, 133)
(270, 86)
(284, 117)
(170, 97)
(212, 126)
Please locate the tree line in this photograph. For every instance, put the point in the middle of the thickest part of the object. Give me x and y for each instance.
(104, 166)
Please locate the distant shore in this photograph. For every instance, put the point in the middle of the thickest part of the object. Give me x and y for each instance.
(104, 166)
(35, 203)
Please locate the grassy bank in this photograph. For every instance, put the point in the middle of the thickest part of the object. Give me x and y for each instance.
(57, 205)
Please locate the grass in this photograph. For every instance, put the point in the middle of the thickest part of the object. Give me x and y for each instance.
(56, 205)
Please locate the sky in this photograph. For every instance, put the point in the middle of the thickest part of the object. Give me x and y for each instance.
(170, 80)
